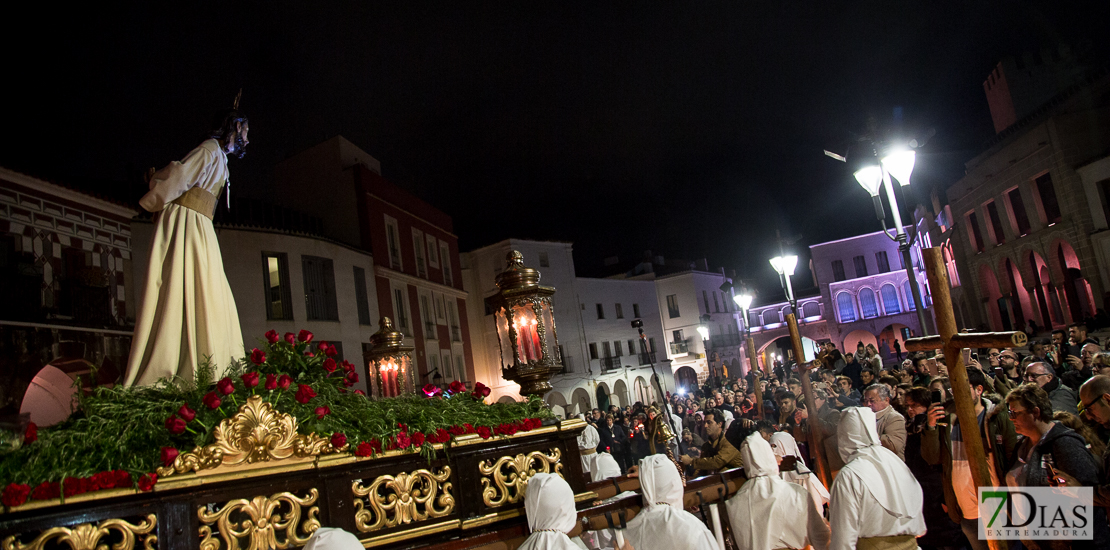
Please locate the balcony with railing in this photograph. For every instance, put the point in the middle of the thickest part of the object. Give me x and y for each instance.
(679, 348)
(610, 363)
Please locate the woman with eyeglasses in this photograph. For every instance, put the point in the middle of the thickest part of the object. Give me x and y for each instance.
(1047, 451)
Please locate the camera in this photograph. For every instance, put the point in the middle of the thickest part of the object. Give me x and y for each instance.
(636, 323)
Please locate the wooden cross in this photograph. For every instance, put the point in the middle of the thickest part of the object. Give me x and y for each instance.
(952, 342)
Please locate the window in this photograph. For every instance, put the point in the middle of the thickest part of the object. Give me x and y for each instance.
(460, 368)
(453, 319)
(445, 257)
(426, 316)
(593, 350)
(606, 350)
(705, 298)
(361, 297)
(651, 344)
(891, 305)
(275, 274)
(861, 266)
(448, 369)
(996, 223)
(771, 317)
(1020, 216)
(716, 304)
(434, 360)
(438, 301)
(973, 233)
(433, 254)
(672, 305)
(882, 261)
(632, 347)
(636, 310)
(418, 246)
(1103, 188)
(544, 262)
(1047, 193)
(838, 271)
(319, 289)
(400, 311)
(600, 311)
(620, 311)
(910, 303)
(725, 302)
(845, 307)
(619, 349)
(394, 242)
(867, 304)
(677, 335)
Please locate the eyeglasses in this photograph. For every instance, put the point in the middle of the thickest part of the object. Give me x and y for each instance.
(995, 354)
(1013, 414)
(1032, 377)
(1084, 406)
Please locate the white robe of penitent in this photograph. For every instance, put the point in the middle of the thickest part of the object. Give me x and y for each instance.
(874, 495)
(588, 441)
(549, 505)
(765, 513)
(784, 445)
(330, 538)
(187, 312)
(663, 524)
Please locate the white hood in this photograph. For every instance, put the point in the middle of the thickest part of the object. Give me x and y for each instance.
(330, 538)
(766, 509)
(549, 504)
(604, 466)
(589, 438)
(887, 476)
(663, 523)
(660, 482)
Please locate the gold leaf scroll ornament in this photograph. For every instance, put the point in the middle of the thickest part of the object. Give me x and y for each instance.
(263, 521)
(87, 536)
(257, 433)
(391, 501)
(505, 481)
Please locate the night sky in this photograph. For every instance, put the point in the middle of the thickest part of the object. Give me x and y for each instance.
(694, 131)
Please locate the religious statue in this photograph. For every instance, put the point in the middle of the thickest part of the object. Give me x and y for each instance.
(187, 313)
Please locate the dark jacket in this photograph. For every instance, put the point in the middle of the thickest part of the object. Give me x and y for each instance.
(851, 370)
(998, 437)
(941, 529)
(1070, 455)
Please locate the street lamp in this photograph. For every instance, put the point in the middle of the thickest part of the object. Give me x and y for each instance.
(785, 265)
(703, 330)
(871, 178)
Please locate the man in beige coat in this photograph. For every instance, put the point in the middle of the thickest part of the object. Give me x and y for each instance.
(890, 424)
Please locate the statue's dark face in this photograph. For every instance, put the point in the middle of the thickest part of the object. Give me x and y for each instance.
(237, 143)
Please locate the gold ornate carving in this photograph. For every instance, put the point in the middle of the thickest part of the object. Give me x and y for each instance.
(257, 433)
(504, 481)
(264, 520)
(391, 501)
(87, 536)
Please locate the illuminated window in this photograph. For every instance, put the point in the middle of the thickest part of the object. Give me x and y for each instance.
(845, 307)
(867, 304)
(275, 274)
(891, 305)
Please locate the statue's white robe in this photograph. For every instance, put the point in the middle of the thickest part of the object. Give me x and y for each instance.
(187, 311)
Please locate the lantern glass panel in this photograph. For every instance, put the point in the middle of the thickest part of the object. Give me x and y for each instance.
(549, 331)
(528, 339)
(503, 337)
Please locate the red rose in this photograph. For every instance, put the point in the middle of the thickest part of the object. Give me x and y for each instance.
(257, 356)
(417, 439)
(250, 379)
(456, 430)
(347, 365)
(309, 354)
(329, 364)
(72, 486)
(360, 392)
(323, 347)
(304, 336)
(211, 400)
(31, 435)
(402, 427)
(483, 432)
(304, 393)
(331, 351)
(225, 386)
(169, 454)
(364, 449)
(175, 425)
(102, 480)
(123, 479)
(271, 381)
(350, 379)
(146, 483)
(442, 436)
(430, 390)
(321, 412)
(338, 440)
(403, 440)
(272, 336)
(186, 413)
(15, 494)
(284, 381)
(46, 490)
(291, 338)
(481, 389)
(456, 387)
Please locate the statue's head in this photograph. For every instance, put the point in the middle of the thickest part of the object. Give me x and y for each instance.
(230, 129)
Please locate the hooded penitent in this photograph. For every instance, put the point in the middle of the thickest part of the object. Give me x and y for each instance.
(549, 504)
(767, 512)
(588, 441)
(328, 538)
(663, 523)
(874, 495)
(784, 445)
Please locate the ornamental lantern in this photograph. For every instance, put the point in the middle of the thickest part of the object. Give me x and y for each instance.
(525, 328)
(390, 363)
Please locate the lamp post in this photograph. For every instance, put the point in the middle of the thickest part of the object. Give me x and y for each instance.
(785, 265)
(703, 330)
(744, 301)
(871, 178)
